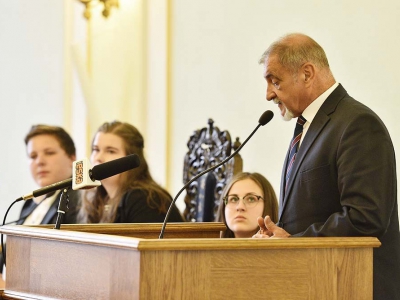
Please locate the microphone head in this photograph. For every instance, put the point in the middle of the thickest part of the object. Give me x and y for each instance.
(266, 117)
(115, 167)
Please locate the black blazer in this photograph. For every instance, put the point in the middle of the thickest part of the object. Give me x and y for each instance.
(343, 183)
(133, 208)
(51, 215)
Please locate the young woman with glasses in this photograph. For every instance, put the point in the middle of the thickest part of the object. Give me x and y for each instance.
(245, 198)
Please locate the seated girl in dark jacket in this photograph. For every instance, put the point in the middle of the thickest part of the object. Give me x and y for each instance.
(129, 197)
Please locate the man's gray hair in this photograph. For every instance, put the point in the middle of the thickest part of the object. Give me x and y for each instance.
(295, 49)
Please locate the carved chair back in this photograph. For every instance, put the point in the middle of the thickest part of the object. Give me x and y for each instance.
(208, 147)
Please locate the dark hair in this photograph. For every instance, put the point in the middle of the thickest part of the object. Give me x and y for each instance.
(270, 200)
(65, 140)
(92, 208)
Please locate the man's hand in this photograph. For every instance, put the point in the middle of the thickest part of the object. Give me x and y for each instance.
(269, 229)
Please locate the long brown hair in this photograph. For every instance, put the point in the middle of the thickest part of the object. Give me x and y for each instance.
(93, 202)
(270, 200)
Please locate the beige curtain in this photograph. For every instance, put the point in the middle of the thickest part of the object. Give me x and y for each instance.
(110, 66)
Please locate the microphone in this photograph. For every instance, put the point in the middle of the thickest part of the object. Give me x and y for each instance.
(90, 177)
(264, 119)
(81, 176)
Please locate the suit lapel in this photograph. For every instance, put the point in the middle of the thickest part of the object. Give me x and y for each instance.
(52, 211)
(27, 209)
(319, 122)
(283, 182)
(312, 133)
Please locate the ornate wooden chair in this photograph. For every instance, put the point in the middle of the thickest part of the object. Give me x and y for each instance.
(208, 147)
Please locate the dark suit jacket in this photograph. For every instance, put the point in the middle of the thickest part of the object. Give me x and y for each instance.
(343, 183)
(51, 215)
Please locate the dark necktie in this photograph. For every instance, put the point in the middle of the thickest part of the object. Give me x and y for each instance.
(294, 146)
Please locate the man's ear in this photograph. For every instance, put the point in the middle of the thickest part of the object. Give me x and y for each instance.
(308, 70)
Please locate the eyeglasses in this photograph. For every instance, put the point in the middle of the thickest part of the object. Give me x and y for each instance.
(250, 200)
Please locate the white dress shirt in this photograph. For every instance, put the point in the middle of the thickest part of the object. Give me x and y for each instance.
(311, 110)
(37, 215)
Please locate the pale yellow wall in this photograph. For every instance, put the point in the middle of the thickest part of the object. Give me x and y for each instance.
(168, 66)
(109, 61)
(32, 86)
(121, 66)
(215, 49)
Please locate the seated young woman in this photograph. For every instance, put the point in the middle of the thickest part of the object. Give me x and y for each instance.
(129, 197)
(246, 197)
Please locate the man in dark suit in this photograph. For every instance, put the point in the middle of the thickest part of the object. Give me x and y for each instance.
(339, 176)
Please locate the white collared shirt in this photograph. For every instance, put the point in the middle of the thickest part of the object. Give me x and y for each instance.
(37, 215)
(311, 110)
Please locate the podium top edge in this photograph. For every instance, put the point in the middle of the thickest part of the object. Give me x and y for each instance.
(144, 244)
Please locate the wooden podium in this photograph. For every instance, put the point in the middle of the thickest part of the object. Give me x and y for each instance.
(86, 262)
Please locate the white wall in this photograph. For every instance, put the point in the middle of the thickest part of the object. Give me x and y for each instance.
(216, 46)
(31, 87)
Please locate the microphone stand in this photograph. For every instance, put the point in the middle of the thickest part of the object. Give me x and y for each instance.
(264, 119)
(62, 207)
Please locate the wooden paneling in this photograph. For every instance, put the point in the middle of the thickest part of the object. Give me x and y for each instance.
(257, 274)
